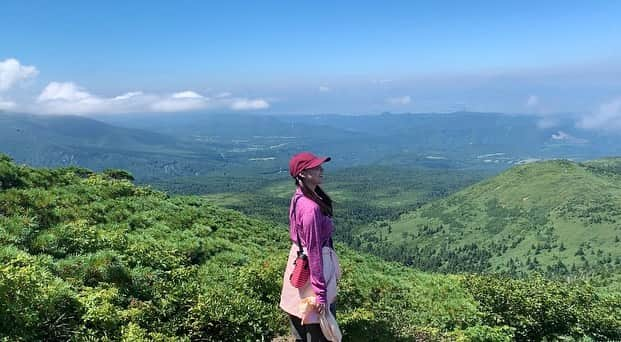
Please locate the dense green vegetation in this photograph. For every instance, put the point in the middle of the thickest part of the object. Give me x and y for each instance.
(363, 194)
(90, 256)
(559, 217)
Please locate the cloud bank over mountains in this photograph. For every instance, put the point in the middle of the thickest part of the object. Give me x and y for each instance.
(70, 98)
(588, 95)
(607, 117)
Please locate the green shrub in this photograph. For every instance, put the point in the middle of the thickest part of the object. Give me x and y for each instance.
(482, 333)
(118, 174)
(225, 314)
(92, 269)
(34, 305)
(544, 309)
(10, 176)
(102, 306)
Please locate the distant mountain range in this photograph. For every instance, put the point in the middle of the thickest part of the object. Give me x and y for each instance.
(165, 145)
(454, 140)
(73, 140)
(558, 217)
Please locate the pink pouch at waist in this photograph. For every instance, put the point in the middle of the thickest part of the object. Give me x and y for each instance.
(290, 296)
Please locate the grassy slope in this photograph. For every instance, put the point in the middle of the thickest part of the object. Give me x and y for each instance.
(86, 257)
(545, 210)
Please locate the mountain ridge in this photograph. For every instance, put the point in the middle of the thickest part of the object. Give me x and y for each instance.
(200, 143)
(54, 140)
(551, 216)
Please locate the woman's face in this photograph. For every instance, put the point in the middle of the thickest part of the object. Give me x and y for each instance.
(313, 177)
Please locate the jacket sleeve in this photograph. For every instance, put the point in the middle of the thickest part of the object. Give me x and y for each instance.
(312, 223)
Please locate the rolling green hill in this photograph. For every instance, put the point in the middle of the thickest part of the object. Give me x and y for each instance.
(88, 256)
(557, 217)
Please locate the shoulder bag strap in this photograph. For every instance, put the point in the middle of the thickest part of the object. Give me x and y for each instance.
(297, 232)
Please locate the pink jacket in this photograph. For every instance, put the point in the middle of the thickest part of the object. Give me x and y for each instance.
(315, 231)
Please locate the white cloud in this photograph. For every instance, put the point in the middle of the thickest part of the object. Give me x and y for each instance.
(69, 98)
(532, 101)
(402, 100)
(63, 91)
(560, 135)
(181, 101)
(189, 100)
(324, 89)
(7, 105)
(607, 117)
(246, 104)
(176, 103)
(128, 96)
(11, 72)
(188, 94)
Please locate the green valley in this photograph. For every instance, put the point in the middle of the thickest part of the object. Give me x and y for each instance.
(362, 194)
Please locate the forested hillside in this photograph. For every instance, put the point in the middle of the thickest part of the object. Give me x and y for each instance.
(361, 194)
(52, 141)
(557, 217)
(90, 256)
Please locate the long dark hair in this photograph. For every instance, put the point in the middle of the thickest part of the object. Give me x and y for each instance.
(318, 196)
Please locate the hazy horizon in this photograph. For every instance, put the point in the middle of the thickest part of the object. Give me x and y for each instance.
(347, 58)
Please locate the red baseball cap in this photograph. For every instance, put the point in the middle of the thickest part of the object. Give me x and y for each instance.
(303, 161)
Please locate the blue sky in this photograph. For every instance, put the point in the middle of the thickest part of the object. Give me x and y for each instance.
(312, 57)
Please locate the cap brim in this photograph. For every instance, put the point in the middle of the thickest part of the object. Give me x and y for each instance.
(318, 161)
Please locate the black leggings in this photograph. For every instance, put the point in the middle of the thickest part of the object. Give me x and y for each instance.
(308, 332)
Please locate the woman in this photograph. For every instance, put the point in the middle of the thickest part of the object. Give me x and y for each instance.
(310, 218)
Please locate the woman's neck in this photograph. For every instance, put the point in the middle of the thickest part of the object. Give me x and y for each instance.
(310, 186)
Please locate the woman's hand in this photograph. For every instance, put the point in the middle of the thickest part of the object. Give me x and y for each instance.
(321, 308)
